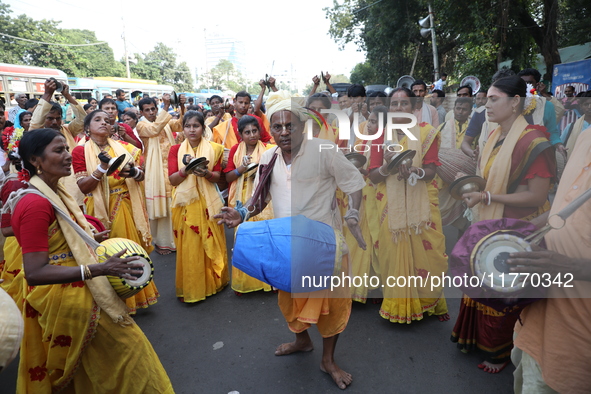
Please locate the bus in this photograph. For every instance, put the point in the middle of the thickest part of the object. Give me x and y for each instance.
(15, 78)
(99, 87)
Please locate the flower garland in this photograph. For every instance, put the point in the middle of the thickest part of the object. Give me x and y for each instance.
(11, 139)
(530, 100)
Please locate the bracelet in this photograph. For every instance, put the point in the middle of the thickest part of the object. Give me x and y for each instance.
(489, 198)
(95, 178)
(82, 272)
(101, 169)
(237, 172)
(139, 174)
(87, 272)
(421, 176)
(182, 173)
(210, 175)
(381, 173)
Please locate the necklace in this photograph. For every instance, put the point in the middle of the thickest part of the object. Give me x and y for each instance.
(102, 147)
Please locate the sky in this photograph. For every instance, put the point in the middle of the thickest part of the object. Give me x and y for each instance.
(292, 36)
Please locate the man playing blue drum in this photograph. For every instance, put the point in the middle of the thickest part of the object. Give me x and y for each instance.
(310, 170)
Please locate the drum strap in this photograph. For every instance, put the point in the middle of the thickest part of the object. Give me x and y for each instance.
(532, 156)
(262, 190)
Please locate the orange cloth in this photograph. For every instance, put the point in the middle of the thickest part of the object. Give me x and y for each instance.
(556, 330)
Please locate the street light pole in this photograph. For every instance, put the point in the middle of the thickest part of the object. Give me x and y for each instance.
(435, 57)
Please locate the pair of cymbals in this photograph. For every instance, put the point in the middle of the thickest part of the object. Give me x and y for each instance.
(357, 159)
(114, 163)
(403, 158)
(196, 162)
(466, 184)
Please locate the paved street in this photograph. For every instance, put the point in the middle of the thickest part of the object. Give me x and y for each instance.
(227, 342)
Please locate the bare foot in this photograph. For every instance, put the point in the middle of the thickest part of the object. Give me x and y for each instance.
(492, 368)
(444, 317)
(293, 347)
(340, 377)
(163, 251)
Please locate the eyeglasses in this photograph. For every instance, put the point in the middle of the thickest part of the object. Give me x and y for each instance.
(279, 127)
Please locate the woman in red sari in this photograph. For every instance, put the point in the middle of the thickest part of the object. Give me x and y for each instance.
(518, 165)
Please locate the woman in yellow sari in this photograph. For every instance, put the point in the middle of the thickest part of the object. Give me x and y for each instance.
(410, 240)
(201, 259)
(518, 163)
(241, 155)
(78, 336)
(116, 200)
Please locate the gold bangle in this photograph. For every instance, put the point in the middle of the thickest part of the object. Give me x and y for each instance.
(87, 273)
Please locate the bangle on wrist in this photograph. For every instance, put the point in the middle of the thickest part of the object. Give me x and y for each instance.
(101, 169)
(237, 172)
(82, 273)
(421, 176)
(95, 177)
(87, 272)
(381, 173)
(139, 174)
(182, 173)
(210, 175)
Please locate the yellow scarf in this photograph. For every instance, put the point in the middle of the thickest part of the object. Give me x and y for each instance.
(497, 175)
(408, 206)
(101, 192)
(103, 293)
(155, 182)
(186, 192)
(238, 184)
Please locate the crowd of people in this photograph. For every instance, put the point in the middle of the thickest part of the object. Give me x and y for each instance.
(389, 224)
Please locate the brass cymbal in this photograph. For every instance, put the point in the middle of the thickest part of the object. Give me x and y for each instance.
(402, 158)
(466, 184)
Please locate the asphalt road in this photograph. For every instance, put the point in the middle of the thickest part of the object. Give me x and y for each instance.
(226, 344)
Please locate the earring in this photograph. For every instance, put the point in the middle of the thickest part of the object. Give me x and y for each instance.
(39, 172)
(514, 110)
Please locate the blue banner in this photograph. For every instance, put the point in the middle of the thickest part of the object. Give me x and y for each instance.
(576, 74)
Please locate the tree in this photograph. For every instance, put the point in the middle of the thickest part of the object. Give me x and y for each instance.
(472, 37)
(163, 59)
(75, 61)
(363, 73)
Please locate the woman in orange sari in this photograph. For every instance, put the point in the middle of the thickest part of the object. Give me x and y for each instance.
(241, 155)
(201, 259)
(410, 240)
(518, 165)
(78, 336)
(116, 200)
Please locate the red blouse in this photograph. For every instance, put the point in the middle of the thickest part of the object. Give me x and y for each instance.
(173, 163)
(30, 221)
(377, 153)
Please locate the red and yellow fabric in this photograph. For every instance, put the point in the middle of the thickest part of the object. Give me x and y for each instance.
(412, 243)
(241, 189)
(479, 326)
(226, 133)
(69, 343)
(124, 213)
(11, 268)
(201, 259)
(364, 262)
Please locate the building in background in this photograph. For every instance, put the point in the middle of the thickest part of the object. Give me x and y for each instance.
(219, 47)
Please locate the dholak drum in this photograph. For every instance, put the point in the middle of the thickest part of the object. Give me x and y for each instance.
(126, 288)
(11, 329)
(293, 254)
(481, 254)
(452, 162)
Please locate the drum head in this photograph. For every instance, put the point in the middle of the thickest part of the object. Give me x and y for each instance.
(466, 184)
(195, 163)
(489, 261)
(397, 160)
(357, 159)
(115, 164)
(146, 270)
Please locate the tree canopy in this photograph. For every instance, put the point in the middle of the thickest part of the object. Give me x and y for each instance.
(160, 64)
(473, 37)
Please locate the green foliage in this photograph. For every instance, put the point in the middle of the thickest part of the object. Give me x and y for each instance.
(472, 36)
(364, 74)
(75, 61)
